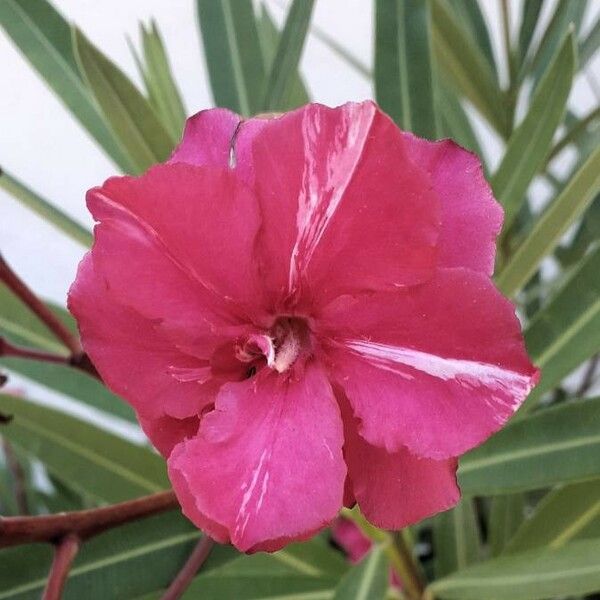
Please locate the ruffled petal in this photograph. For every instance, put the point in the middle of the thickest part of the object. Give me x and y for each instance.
(207, 138)
(471, 217)
(344, 207)
(185, 236)
(438, 367)
(267, 466)
(132, 357)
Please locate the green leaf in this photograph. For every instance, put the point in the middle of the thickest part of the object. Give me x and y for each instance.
(88, 459)
(368, 580)
(403, 69)
(556, 445)
(550, 227)
(456, 538)
(162, 88)
(566, 332)
(45, 209)
(571, 570)
(454, 121)
(530, 12)
(297, 94)
(126, 562)
(506, 515)
(588, 47)
(233, 54)
(288, 53)
(566, 14)
(559, 517)
(307, 570)
(587, 234)
(129, 115)
(43, 36)
(460, 62)
(533, 137)
(470, 14)
(22, 327)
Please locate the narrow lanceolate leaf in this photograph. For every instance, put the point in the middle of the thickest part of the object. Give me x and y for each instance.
(126, 562)
(470, 14)
(161, 83)
(299, 572)
(529, 18)
(45, 209)
(506, 515)
(387, 59)
(530, 144)
(131, 118)
(456, 538)
(22, 327)
(297, 94)
(366, 581)
(566, 332)
(288, 53)
(588, 47)
(550, 227)
(88, 459)
(560, 517)
(567, 14)
(233, 55)
(460, 62)
(43, 36)
(404, 30)
(587, 234)
(454, 120)
(571, 570)
(552, 446)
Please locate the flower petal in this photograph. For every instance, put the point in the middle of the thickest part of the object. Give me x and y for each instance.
(185, 236)
(471, 217)
(132, 357)
(343, 205)
(207, 138)
(438, 367)
(267, 465)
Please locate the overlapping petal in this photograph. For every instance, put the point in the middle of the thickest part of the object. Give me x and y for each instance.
(436, 367)
(134, 359)
(471, 217)
(267, 465)
(343, 205)
(194, 227)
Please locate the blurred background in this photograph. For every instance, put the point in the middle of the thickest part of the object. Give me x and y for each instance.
(46, 147)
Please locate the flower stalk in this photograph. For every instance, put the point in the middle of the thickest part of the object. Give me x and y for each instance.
(64, 554)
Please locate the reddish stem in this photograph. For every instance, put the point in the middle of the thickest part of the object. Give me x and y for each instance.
(82, 523)
(54, 324)
(189, 569)
(64, 554)
(8, 349)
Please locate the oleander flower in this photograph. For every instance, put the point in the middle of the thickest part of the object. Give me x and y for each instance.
(299, 309)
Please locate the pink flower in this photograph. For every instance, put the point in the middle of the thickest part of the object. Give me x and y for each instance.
(301, 313)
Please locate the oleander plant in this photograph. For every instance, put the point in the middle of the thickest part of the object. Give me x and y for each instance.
(359, 360)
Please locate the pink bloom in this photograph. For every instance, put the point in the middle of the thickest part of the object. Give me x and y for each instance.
(301, 313)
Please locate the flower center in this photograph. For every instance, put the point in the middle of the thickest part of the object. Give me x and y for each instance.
(281, 346)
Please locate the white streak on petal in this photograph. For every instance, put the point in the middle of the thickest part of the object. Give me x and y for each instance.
(467, 373)
(324, 182)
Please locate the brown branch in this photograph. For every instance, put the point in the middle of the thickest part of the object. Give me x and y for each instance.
(189, 569)
(64, 554)
(54, 324)
(18, 476)
(83, 523)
